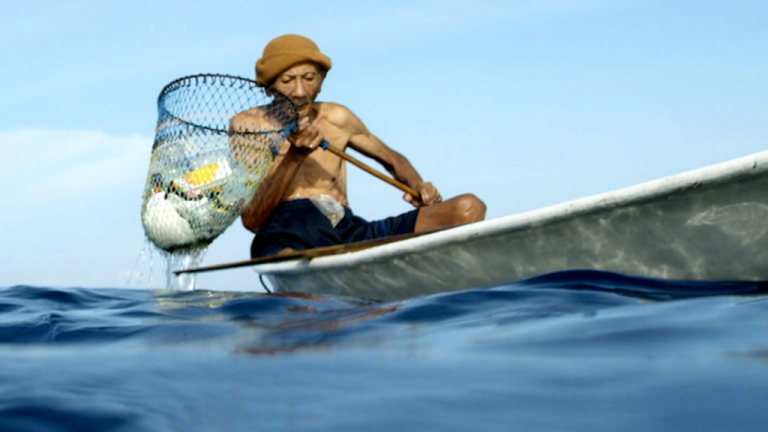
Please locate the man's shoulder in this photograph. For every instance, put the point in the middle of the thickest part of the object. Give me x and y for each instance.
(338, 115)
(243, 119)
(249, 112)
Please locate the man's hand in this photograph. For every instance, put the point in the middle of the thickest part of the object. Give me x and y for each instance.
(428, 194)
(306, 138)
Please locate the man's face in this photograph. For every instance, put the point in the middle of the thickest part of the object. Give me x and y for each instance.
(301, 83)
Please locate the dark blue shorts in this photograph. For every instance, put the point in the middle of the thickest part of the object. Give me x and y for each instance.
(299, 225)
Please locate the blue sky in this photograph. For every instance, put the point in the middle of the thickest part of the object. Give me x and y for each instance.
(524, 103)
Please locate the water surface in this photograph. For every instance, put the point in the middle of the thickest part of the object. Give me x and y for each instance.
(577, 351)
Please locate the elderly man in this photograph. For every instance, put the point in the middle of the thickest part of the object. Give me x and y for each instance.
(302, 202)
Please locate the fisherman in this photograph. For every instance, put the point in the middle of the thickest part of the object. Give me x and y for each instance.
(302, 202)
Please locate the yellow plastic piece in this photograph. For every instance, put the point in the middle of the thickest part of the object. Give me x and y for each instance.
(201, 175)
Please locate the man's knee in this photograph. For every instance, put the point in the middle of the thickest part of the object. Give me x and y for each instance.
(459, 210)
(468, 208)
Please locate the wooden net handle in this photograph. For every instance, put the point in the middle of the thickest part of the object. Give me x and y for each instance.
(370, 170)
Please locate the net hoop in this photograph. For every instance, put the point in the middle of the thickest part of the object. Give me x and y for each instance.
(215, 140)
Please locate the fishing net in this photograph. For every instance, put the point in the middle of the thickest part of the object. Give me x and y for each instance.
(217, 137)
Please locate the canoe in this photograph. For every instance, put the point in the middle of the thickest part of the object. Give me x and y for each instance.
(707, 224)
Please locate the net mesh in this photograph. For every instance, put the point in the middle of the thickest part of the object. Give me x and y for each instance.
(216, 139)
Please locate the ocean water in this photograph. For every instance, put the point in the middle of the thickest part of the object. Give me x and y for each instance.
(569, 351)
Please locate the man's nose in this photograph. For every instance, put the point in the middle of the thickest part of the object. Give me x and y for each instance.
(300, 89)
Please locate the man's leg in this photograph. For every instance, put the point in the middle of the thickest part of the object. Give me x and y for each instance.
(459, 210)
(293, 226)
(456, 211)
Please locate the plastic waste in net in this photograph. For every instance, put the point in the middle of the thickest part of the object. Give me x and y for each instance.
(217, 137)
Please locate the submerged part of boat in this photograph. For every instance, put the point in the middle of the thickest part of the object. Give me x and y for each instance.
(707, 224)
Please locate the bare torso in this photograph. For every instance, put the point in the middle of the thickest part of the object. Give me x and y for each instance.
(321, 172)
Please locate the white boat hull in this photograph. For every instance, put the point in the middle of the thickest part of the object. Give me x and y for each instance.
(708, 224)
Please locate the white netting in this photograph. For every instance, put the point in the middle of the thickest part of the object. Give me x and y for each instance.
(216, 139)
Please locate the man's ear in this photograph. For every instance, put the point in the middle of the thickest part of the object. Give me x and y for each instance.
(322, 73)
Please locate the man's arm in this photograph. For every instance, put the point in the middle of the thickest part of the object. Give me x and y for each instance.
(395, 163)
(271, 190)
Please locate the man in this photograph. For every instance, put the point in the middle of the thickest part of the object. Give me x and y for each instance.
(302, 202)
